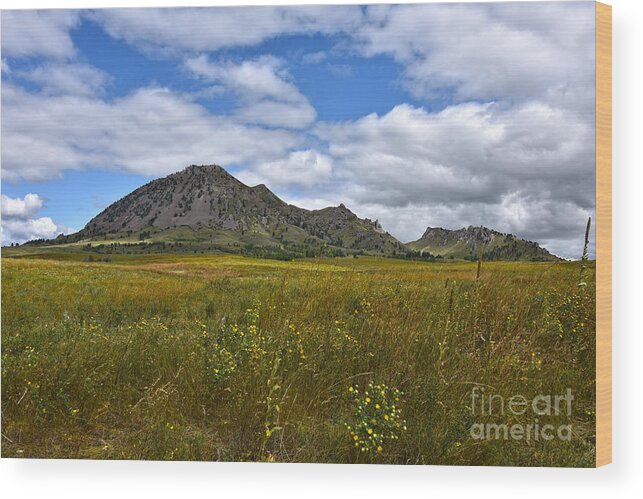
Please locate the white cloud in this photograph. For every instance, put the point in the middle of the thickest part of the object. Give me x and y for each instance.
(527, 170)
(207, 30)
(448, 50)
(21, 208)
(467, 152)
(19, 224)
(264, 77)
(152, 131)
(512, 51)
(71, 79)
(19, 231)
(307, 168)
(266, 94)
(29, 33)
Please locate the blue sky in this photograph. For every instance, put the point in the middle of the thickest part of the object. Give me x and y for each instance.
(416, 115)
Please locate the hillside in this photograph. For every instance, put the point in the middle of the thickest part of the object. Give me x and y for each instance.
(465, 244)
(204, 207)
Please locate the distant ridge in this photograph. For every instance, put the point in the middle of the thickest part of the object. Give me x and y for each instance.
(466, 243)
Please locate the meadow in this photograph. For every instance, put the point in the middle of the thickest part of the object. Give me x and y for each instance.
(343, 360)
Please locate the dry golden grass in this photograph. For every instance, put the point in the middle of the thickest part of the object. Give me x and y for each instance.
(232, 358)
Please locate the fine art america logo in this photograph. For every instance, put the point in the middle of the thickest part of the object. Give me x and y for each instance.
(492, 407)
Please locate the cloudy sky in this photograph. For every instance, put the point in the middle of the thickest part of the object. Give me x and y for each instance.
(417, 115)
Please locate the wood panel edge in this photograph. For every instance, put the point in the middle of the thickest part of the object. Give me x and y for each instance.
(603, 234)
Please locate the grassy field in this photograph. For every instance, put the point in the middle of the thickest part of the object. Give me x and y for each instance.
(231, 358)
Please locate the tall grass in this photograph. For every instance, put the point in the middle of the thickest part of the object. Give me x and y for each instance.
(583, 268)
(229, 358)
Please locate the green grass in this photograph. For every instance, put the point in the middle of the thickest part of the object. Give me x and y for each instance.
(221, 357)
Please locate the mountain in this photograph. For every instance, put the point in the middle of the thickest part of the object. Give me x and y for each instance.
(465, 244)
(204, 207)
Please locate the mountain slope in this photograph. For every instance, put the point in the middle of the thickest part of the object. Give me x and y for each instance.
(208, 205)
(465, 244)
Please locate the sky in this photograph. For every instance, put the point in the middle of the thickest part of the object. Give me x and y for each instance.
(441, 115)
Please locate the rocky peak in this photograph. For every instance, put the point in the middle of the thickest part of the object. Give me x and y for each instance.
(208, 197)
(466, 243)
